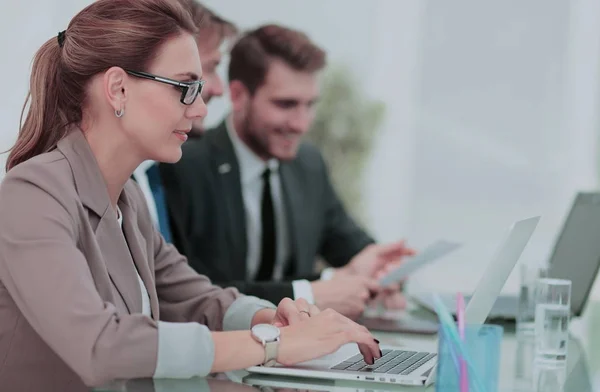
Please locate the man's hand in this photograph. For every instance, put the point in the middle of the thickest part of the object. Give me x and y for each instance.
(346, 294)
(391, 298)
(374, 259)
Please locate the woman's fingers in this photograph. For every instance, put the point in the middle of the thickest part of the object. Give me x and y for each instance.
(368, 347)
(366, 353)
(302, 304)
(323, 333)
(303, 308)
(313, 310)
(367, 344)
(288, 311)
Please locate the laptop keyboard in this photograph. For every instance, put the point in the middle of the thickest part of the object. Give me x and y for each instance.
(392, 362)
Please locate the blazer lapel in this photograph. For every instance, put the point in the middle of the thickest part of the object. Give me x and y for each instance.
(292, 191)
(227, 173)
(137, 247)
(92, 190)
(118, 261)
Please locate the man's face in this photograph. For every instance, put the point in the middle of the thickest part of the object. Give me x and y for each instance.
(210, 58)
(280, 112)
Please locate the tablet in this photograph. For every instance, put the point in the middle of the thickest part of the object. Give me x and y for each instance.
(430, 254)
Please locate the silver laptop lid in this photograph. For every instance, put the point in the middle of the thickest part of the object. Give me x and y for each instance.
(495, 275)
(497, 272)
(576, 254)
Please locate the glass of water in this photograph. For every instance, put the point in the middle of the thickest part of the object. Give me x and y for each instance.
(552, 312)
(529, 275)
(524, 362)
(549, 378)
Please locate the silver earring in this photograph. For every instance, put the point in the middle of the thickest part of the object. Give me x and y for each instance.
(119, 113)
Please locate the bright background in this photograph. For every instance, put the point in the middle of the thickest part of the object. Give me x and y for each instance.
(491, 109)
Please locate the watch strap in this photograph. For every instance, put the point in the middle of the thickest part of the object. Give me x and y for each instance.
(271, 350)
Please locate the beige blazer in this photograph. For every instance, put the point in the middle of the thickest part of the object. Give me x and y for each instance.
(70, 300)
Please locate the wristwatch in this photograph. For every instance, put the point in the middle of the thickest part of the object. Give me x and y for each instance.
(268, 336)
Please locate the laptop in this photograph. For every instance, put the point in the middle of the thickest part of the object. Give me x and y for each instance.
(269, 383)
(575, 256)
(407, 366)
(405, 323)
(408, 321)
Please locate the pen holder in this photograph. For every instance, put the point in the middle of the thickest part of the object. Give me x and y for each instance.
(482, 343)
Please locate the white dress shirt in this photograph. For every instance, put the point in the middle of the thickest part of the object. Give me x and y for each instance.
(145, 297)
(187, 349)
(142, 179)
(251, 170)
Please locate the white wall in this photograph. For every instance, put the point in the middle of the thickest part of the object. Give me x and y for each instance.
(491, 108)
(24, 27)
(348, 39)
(506, 127)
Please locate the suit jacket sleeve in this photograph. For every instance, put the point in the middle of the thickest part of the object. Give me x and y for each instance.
(184, 295)
(342, 238)
(271, 291)
(49, 280)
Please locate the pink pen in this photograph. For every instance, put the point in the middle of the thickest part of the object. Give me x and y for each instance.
(460, 315)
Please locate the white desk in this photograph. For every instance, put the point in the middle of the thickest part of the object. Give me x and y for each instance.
(583, 373)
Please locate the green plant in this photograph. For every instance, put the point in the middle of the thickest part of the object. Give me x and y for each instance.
(345, 129)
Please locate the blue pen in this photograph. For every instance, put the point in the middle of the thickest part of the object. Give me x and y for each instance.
(460, 314)
(453, 354)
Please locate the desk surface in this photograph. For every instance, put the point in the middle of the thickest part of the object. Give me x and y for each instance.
(583, 373)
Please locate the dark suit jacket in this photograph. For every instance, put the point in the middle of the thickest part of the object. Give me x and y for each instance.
(208, 220)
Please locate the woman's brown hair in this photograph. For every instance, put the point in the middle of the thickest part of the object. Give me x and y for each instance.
(107, 33)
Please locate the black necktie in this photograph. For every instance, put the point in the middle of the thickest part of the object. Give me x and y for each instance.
(268, 231)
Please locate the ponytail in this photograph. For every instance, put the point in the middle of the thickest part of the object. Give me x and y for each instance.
(106, 33)
(45, 123)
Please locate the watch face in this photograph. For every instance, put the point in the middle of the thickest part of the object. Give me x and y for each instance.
(265, 332)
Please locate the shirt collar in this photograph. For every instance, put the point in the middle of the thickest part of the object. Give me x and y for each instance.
(119, 216)
(143, 167)
(251, 166)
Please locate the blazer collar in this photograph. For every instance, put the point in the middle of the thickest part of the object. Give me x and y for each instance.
(122, 253)
(227, 168)
(251, 166)
(89, 181)
(220, 138)
(228, 181)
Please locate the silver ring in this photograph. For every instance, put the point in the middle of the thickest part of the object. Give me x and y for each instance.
(305, 311)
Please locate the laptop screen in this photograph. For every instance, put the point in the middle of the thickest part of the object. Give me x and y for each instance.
(576, 254)
(498, 269)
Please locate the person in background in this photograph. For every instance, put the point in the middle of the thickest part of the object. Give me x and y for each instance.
(90, 291)
(212, 33)
(252, 206)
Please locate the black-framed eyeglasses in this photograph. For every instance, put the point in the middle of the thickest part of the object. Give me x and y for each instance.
(189, 90)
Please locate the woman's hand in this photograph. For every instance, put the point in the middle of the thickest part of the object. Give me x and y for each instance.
(322, 334)
(290, 312)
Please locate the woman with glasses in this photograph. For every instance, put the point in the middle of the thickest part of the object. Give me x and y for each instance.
(89, 290)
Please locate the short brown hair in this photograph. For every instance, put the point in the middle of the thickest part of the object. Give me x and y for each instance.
(212, 28)
(251, 55)
(107, 33)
